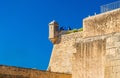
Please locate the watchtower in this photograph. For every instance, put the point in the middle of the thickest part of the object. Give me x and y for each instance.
(53, 31)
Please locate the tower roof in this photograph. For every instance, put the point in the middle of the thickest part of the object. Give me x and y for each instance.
(53, 22)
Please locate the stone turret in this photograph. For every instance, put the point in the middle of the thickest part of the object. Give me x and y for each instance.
(53, 31)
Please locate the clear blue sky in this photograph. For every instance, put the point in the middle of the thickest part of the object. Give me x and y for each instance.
(24, 27)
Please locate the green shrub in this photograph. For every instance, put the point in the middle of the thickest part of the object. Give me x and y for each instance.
(81, 29)
(74, 30)
(68, 32)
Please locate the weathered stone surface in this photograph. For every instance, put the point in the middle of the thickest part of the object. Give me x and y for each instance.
(61, 58)
(89, 58)
(15, 72)
(101, 24)
(93, 53)
(99, 55)
(113, 56)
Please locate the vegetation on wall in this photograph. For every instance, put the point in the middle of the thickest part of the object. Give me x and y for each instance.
(74, 30)
(81, 29)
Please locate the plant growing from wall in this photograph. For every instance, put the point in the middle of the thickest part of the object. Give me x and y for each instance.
(81, 29)
(74, 30)
(69, 31)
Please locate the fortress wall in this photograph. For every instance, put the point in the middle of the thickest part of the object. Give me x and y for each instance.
(112, 64)
(61, 58)
(97, 57)
(88, 62)
(15, 72)
(103, 23)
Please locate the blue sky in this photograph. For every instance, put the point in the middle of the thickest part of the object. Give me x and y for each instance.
(24, 27)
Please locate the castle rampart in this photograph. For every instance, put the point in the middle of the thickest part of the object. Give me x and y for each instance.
(92, 53)
(61, 59)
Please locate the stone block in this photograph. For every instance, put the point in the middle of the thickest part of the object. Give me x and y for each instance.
(117, 74)
(111, 52)
(117, 44)
(113, 75)
(116, 68)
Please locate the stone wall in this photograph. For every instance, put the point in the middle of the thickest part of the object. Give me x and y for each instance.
(103, 23)
(15, 72)
(88, 61)
(97, 57)
(61, 58)
(112, 64)
(93, 53)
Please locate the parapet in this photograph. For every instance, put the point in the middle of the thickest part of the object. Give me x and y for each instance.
(18, 72)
